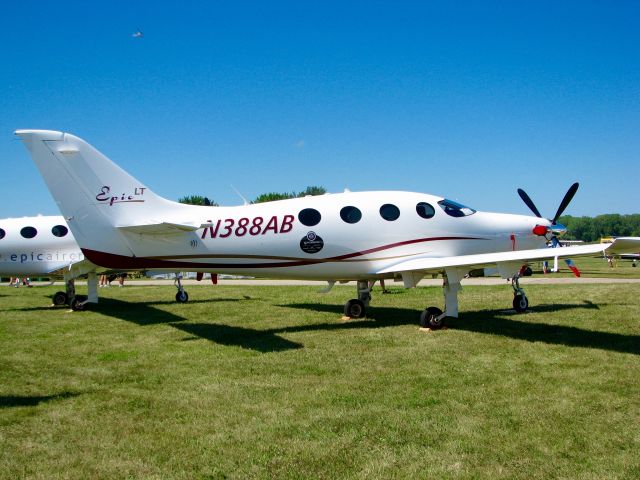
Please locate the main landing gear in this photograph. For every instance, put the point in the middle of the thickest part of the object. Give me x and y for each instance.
(357, 307)
(433, 317)
(77, 303)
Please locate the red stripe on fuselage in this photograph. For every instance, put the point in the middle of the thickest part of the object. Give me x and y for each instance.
(112, 260)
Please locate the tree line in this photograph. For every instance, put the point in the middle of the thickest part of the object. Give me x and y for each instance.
(263, 197)
(592, 229)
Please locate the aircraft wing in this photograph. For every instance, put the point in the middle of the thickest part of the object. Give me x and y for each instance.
(432, 264)
(163, 228)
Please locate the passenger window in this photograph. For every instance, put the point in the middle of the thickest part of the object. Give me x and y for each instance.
(350, 214)
(59, 231)
(425, 210)
(309, 217)
(28, 232)
(2, 233)
(389, 212)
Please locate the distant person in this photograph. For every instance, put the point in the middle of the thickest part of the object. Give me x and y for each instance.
(372, 283)
(103, 280)
(121, 278)
(26, 281)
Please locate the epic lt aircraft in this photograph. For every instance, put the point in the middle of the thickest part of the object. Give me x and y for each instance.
(44, 246)
(120, 223)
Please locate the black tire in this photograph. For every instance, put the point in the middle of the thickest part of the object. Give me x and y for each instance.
(60, 298)
(520, 303)
(78, 305)
(182, 297)
(354, 309)
(429, 318)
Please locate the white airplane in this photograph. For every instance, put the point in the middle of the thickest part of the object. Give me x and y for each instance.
(120, 223)
(44, 246)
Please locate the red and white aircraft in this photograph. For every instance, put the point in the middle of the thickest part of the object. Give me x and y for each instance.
(120, 223)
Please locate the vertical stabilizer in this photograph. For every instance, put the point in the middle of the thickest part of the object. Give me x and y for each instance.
(94, 194)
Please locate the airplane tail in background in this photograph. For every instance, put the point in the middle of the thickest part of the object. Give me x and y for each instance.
(97, 198)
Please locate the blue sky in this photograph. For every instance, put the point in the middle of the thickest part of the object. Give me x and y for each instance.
(468, 100)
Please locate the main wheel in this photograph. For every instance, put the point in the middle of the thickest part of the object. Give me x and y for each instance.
(354, 309)
(429, 318)
(520, 303)
(78, 305)
(182, 297)
(60, 298)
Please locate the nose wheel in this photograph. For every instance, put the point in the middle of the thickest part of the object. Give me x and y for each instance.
(520, 301)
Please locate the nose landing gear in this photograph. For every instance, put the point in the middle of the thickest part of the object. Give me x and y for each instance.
(520, 301)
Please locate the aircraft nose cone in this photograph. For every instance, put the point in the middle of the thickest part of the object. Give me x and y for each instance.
(558, 229)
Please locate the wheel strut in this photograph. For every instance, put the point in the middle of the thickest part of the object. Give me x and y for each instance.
(520, 301)
(182, 296)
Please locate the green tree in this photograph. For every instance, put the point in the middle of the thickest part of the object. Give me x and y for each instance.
(197, 200)
(312, 190)
(592, 229)
(272, 196)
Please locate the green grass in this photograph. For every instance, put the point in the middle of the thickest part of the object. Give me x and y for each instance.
(269, 382)
(594, 268)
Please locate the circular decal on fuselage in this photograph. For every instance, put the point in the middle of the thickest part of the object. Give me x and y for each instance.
(311, 243)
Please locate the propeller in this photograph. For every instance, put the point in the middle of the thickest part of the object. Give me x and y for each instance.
(556, 228)
(565, 201)
(563, 204)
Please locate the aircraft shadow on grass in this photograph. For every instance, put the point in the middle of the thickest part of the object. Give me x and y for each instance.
(147, 314)
(263, 341)
(494, 322)
(8, 401)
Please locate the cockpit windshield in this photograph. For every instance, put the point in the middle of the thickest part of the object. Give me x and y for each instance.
(455, 209)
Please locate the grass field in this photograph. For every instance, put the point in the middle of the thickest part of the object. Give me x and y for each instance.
(595, 268)
(270, 382)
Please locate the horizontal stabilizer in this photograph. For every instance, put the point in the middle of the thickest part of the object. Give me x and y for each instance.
(163, 228)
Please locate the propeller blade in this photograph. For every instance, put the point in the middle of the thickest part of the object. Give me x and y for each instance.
(525, 198)
(572, 266)
(565, 201)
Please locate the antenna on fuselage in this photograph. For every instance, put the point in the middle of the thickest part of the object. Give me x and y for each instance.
(244, 200)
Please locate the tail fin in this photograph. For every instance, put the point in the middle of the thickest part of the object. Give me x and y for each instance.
(95, 195)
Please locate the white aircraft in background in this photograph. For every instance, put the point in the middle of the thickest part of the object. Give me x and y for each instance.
(43, 246)
(120, 223)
